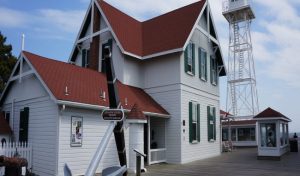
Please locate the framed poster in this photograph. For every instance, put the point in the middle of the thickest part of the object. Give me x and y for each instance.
(76, 131)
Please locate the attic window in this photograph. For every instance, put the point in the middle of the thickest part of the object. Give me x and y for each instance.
(189, 57)
(85, 58)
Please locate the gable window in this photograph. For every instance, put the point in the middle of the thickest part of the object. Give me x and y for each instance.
(202, 64)
(103, 65)
(194, 122)
(189, 59)
(211, 123)
(85, 58)
(213, 71)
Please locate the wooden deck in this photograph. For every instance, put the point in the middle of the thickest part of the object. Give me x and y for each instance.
(240, 162)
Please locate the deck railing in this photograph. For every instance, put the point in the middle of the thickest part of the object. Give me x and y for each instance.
(22, 149)
(157, 155)
(229, 5)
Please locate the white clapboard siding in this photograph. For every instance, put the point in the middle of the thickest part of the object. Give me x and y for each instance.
(203, 149)
(169, 98)
(22, 150)
(94, 128)
(43, 122)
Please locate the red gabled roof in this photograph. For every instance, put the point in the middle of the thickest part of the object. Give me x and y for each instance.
(85, 85)
(136, 113)
(270, 113)
(4, 126)
(166, 32)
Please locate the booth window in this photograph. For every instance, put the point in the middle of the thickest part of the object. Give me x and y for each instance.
(268, 134)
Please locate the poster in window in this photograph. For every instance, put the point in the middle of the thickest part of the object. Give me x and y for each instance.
(76, 131)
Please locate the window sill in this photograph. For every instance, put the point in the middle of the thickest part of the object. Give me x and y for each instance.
(194, 142)
(214, 84)
(203, 79)
(212, 141)
(190, 73)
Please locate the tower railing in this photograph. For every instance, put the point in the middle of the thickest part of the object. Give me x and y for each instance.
(229, 5)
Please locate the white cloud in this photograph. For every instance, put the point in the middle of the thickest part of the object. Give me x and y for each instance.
(45, 22)
(143, 10)
(68, 21)
(12, 18)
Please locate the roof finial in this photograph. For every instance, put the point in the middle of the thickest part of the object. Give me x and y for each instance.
(23, 42)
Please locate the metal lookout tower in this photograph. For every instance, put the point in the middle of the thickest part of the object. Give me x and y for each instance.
(242, 98)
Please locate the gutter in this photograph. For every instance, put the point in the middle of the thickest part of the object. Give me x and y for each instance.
(97, 107)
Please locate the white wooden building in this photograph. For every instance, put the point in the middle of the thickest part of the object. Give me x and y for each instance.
(169, 66)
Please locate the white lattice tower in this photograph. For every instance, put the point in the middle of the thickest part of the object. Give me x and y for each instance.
(242, 98)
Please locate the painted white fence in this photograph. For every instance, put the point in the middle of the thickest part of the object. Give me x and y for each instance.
(157, 155)
(24, 150)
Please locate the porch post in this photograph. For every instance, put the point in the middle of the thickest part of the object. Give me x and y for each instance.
(149, 153)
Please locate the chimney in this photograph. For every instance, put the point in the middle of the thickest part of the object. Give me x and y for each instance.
(94, 48)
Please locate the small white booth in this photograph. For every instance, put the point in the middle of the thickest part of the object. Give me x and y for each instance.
(273, 134)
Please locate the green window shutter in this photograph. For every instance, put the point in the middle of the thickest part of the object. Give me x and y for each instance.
(191, 122)
(214, 117)
(186, 59)
(23, 125)
(199, 60)
(205, 65)
(217, 74)
(211, 70)
(83, 58)
(209, 126)
(193, 58)
(198, 122)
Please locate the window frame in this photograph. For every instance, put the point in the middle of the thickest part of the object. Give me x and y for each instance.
(194, 133)
(213, 71)
(85, 54)
(189, 59)
(211, 124)
(202, 55)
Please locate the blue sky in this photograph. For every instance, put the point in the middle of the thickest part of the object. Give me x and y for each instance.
(51, 27)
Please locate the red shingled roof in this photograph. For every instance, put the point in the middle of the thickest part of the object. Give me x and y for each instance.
(166, 32)
(136, 113)
(270, 113)
(84, 85)
(4, 126)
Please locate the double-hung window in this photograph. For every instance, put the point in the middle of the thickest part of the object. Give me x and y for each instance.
(189, 59)
(211, 123)
(202, 64)
(213, 71)
(194, 122)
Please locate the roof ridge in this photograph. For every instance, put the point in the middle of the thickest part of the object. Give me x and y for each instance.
(58, 61)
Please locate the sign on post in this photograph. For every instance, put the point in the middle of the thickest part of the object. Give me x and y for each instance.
(113, 114)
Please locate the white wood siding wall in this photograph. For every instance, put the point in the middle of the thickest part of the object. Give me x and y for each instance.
(94, 128)
(203, 149)
(136, 141)
(169, 98)
(200, 40)
(43, 123)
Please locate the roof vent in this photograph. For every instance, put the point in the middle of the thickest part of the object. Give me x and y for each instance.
(102, 94)
(66, 91)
